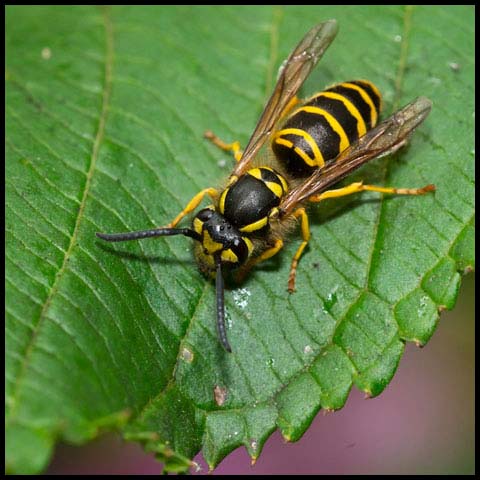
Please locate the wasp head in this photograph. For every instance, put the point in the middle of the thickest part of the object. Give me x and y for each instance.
(219, 239)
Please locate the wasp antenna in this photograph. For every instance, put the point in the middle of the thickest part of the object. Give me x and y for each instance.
(220, 288)
(141, 234)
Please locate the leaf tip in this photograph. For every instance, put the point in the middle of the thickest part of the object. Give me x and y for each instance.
(368, 394)
(196, 466)
(253, 451)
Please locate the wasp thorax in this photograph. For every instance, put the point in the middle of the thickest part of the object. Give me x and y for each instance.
(219, 237)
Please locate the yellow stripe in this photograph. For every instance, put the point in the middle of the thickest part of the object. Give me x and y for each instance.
(211, 245)
(284, 183)
(249, 244)
(233, 179)
(333, 122)
(221, 204)
(197, 225)
(318, 159)
(352, 109)
(298, 151)
(255, 225)
(368, 100)
(255, 172)
(284, 141)
(229, 256)
(305, 157)
(377, 92)
(275, 188)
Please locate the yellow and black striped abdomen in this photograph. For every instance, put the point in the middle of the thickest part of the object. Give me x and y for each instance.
(315, 133)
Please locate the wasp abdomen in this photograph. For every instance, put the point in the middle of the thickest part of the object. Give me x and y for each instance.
(318, 131)
(249, 201)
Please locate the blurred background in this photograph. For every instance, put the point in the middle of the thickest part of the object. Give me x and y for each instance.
(423, 423)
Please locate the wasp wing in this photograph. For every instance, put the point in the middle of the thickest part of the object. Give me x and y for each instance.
(292, 75)
(384, 139)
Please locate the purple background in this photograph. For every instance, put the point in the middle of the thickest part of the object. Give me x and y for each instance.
(423, 423)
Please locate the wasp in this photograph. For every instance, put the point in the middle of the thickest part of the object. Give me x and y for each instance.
(313, 144)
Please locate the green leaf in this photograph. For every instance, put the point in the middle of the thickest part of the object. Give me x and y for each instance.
(105, 114)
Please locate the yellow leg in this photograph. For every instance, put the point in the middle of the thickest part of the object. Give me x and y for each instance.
(360, 187)
(194, 203)
(300, 212)
(270, 252)
(228, 147)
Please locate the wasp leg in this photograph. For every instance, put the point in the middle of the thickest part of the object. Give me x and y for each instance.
(300, 212)
(235, 146)
(228, 147)
(360, 187)
(193, 204)
(270, 252)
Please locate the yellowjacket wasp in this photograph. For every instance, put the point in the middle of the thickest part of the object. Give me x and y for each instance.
(315, 143)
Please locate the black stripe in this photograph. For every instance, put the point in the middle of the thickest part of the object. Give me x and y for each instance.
(356, 99)
(269, 176)
(340, 112)
(371, 93)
